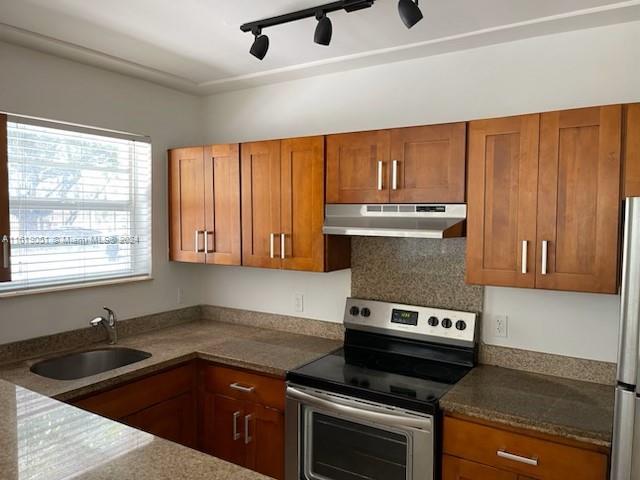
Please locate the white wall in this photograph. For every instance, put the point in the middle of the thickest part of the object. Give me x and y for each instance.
(41, 85)
(589, 67)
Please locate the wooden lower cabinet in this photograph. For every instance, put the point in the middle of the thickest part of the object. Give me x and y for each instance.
(163, 404)
(233, 414)
(172, 419)
(478, 451)
(243, 418)
(454, 468)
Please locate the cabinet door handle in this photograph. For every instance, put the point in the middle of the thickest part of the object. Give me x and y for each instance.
(525, 248)
(5, 252)
(247, 437)
(242, 388)
(271, 246)
(196, 241)
(236, 433)
(206, 242)
(380, 185)
(517, 458)
(545, 252)
(282, 246)
(394, 175)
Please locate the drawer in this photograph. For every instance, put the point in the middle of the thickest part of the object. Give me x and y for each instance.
(130, 398)
(520, 453)
(243, 385)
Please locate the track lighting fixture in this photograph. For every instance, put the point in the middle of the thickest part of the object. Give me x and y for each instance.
(409, 12)
(408, 9)
(260, 44)
(324, 29)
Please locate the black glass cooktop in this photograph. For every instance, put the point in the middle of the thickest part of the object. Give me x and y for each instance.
(407, 375)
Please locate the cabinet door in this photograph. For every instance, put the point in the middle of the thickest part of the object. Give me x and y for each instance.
(454, 468)
(224, 428)
(428, 164)
(222, 204)
(261, 204)
(502, 201)
(5, 267)
(264, 437)
(173, 419)
(302, 164)
(358, 167)
(579, 200)
(186, 204)
(632, 151)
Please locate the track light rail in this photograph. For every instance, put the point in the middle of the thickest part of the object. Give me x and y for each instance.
(346, 5)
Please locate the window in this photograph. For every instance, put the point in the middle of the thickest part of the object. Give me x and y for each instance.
(79, 205)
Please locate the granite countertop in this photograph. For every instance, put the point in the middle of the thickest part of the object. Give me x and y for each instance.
(571, 409)
(43, 438)
(263, 350)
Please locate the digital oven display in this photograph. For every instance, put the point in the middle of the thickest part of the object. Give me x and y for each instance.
(404, 317)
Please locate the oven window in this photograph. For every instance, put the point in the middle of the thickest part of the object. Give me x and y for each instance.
(342, 450)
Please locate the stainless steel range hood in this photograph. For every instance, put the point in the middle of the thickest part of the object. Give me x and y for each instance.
(388, 220)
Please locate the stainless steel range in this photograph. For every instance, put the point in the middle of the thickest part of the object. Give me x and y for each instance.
(370, 410)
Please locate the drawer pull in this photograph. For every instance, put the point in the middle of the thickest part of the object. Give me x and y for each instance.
(242, 388)
(247, 436)
(517, 458)
(236, 434)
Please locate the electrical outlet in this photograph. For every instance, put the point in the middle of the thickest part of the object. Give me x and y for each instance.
(299, 303)
(501, 326)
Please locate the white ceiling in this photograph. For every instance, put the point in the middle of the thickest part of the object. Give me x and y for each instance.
(197, 45)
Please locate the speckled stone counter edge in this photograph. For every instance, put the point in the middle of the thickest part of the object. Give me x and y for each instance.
(549, 364)
(544, 363)
(271, 321)
(71, 340)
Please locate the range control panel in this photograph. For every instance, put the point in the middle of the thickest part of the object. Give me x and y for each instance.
(420, 323)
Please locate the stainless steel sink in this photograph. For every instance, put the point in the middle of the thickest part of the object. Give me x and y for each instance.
(85, 364)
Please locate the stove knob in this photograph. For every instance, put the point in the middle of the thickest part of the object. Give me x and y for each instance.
(447, 323)
(461, 325)
(365, 312)
(354, 311)
(433, 321)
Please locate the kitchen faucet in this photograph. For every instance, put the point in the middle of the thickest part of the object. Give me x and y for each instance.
(110, 324)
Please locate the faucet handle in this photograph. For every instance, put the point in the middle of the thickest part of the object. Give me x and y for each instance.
(96, 321)
(112, 314)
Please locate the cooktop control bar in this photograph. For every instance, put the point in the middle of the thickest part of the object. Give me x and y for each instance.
(409, 321)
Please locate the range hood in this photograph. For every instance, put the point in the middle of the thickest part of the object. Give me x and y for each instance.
(389, 220)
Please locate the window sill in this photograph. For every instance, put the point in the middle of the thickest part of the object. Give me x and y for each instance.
(75, 286)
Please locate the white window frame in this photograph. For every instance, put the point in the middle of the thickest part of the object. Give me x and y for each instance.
(72, 127)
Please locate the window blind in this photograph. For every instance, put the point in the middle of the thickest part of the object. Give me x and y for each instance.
(79, 206)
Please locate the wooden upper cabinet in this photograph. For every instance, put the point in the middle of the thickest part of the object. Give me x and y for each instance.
(283, 207)
(204, 191)
(222, 204)
(186, 204)
(302, 203)
(502, 196)
(579, 200)
(261, 199)
(632, 150)
(358, 167)
(428, 164)
(5, 272)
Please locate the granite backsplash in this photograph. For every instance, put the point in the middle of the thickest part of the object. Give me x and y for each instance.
(414, 271)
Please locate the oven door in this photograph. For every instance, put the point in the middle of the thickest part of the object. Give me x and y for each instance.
(335, 437)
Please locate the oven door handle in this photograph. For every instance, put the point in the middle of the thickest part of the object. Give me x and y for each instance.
(359, 412)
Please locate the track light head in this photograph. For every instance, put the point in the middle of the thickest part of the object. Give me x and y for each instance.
(409, 12)
(260, 44)
(324, 30)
